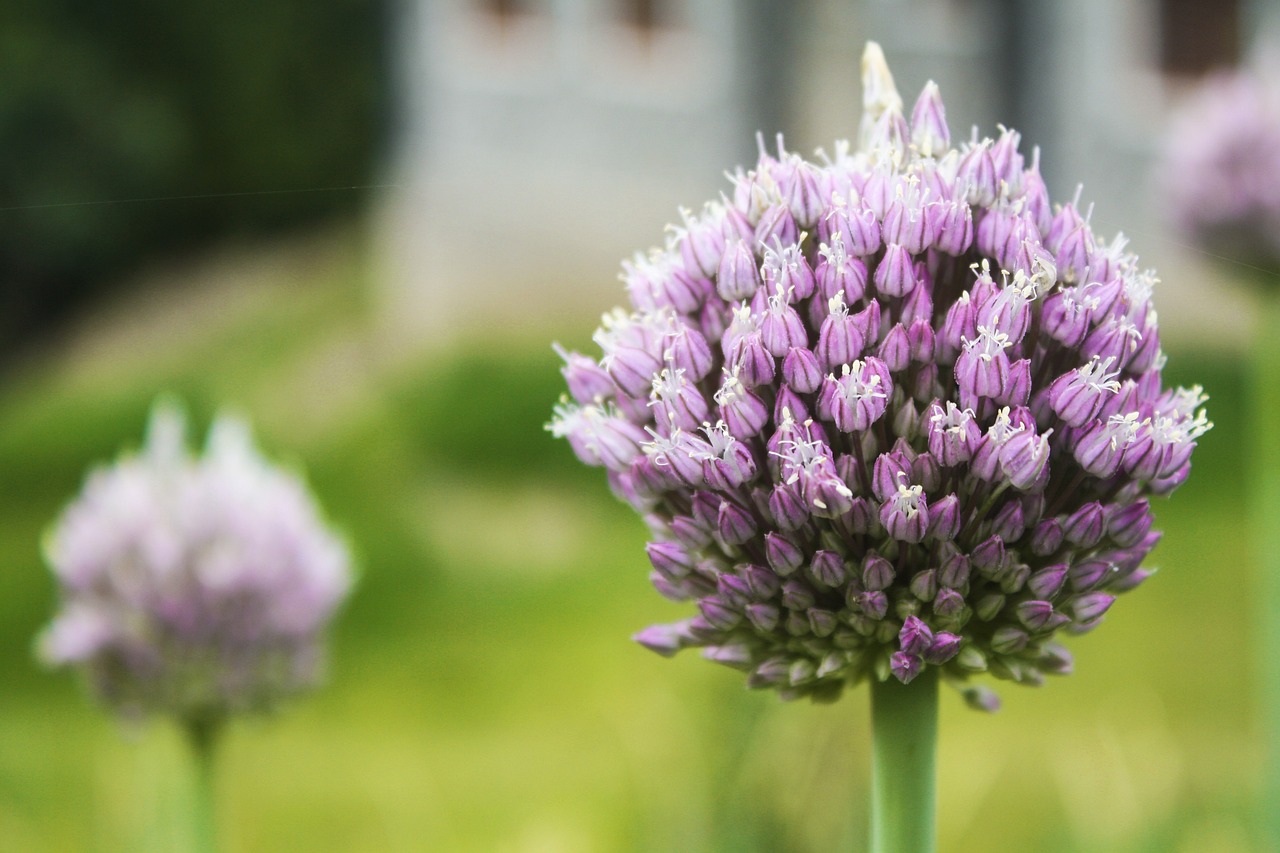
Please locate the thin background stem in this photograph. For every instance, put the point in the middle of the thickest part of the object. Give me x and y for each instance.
(1265, 381)
(202, 735)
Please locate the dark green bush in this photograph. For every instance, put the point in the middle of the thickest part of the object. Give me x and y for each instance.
(240, 113)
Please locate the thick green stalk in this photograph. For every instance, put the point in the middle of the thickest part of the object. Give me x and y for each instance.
(1266, 538)
(202, 735)
(904, 737)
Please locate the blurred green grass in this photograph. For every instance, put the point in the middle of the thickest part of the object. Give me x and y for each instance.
(483, 693)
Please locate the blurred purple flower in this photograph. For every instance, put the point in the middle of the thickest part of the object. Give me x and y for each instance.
(931, 410)
(194, 586)
(1220, 166)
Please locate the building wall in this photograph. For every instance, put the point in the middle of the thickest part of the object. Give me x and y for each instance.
(536, 155)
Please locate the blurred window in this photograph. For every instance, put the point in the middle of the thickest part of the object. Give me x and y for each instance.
(1196, 36)
(645, 16)
(506, 16)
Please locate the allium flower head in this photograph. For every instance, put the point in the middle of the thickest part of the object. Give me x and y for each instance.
(196, 586)
(1220, 168)
(887, 411)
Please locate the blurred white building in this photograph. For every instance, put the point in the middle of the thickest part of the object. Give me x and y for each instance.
(544, 140)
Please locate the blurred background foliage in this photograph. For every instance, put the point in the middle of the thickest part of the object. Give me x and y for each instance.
(483, 692)
(111, 104)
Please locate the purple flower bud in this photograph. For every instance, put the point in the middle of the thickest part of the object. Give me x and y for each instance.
(1085, 526)
(948, 602)
(877, 572)
(670, 558)
(822, 622)
(763, 583)
(919, 303)
(840, 341)
(1091, 606)
(801, 370)
(1048, 581)
(895, 274)
(925, 471)
(587, 380)
(1025, 460)
(734, 655)
(796, 595)
(597, 436)
(787, 508)
(890, 470)
(953, 224)
(953, 433)
(906, 225)
(734, 590)
(1101, 446)
(804, 196)
(690, 531)
(1009, 640)
(734, 524)
(874, 604)
(981, 698)
(944, 647)
(1047, 537)
(924, 585)
(862, 517)
(955, 571)
(776, 226)
(752, 361)
(988, 607)
(1034, 615)
(1009, 523)
(839, 272)
(1127, 525)
(929, 131)
(915, 636)
(1087, 574)
(1017, 390)
(860, 396)
(729, 463)
(1077, 396)
(905, 515)
(895, 349)
(743, 412)
(827, 569)
(789, 403)
(781, 327)
(666, 640)
(988, 557)
(905, 667)
(982, 370)
(676, 401)
(977, 176)
(764, 617)
(718, 613)
(786, 271)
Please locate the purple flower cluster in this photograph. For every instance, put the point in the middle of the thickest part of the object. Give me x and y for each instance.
(1220, 169)
(193, 586)
(886, 411)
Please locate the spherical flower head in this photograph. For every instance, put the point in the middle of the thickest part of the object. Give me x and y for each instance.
(932, 413)
(193, 586)
(1220, 165)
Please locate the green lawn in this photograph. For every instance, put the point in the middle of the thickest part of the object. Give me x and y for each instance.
(484, 695)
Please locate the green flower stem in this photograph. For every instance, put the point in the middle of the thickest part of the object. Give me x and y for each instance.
(202, 735)
(904, 737)
(1266, 508)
